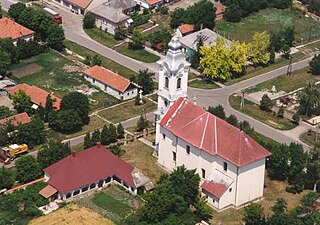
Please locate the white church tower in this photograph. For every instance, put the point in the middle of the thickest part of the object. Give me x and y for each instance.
(173, 81)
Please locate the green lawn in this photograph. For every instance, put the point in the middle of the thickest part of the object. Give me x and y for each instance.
(269, 20)
(254, 111)
(310, 137)
(102, 37)
(107, 63)
(141, 55)
(107, 202)
(127, 111)
(50, 72)
(203, 84)
(284, 83)
(252, 72)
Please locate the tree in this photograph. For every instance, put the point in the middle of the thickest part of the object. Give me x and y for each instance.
(296, 118)
(116, 149)
(96, 60)
(112, 133)
(56, 37)
(281, 111)
(21, 102)
(137, 100)
(137, 40)
(266, 103)
(120, 131)
(281, 4)
(145, 81)
(272, 56)
(32, 133)
(233, 13)
(4, 62)
(217, 111)
(177, 18)
(280, 207)
(27, 169)
(88, 141)
(66, 121)
(6, 178)
(16, 10)
(253, 215)
(232, 119)
(96, 137)
(119, 33)
(142, 124)
(5, 112)
(309, 99)
(105, 137)
(195, 57)
(89, 21)
(258, 48)
(52, 153)
(48, 107)
(314, 65)
(203, 211)
(78, 103)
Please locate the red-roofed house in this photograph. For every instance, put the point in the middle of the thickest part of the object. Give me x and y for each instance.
(230, 162)
(110, 82)
(149, 4)
(219, 12)
(89, 170)
(38, 96)
(185, 29)
(11, 29)
(19, 119)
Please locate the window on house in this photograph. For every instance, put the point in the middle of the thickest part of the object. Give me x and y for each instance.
(128, 93)
(93, 80)
(166, 103)
(166, 84)
(225, 166)
(203, 173)
(174, 156)
(163, 136)
(230, 189)
(188, 149)
(213, 200)
(179, 83)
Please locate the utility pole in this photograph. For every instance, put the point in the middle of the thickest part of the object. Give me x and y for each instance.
(242, 99)
(289, 70)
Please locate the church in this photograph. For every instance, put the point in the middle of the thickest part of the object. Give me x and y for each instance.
(230, 163)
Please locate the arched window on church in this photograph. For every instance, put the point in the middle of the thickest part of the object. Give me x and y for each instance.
(166, 84)
(179, 83)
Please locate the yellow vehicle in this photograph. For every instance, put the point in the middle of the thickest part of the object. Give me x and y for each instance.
(14, 150)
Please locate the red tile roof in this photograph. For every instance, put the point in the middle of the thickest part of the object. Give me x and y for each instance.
(211, 134)
(86, 167)
(81, 3)
(152, 2)
(186, 28)
(108, 77)
(48, 191)
(219, 10)
(21, 118)
(11, 29)
(214, 188)
(38, 96)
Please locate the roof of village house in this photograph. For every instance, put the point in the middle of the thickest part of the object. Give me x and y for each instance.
(211, 134)
(48, 191)
(214, 188)
(112, 11)
(186, 28)
(38, 96)
(86, 167)
(152, 2)
(108, 77)
(208, 37)
(11, 29)
(81, 3)
(21, 118)
(219, 10)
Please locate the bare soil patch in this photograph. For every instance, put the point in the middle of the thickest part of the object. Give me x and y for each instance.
(27, 70)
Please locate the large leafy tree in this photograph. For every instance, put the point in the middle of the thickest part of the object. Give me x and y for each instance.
(144, 80)
(4, 62)
(56, 37)
(259, 48)
(32, 133)
(5, 112)
(6, 178)
(52, 153)
(66, 121)
(137, 40)
(314, 65)
(28, 169)
(253, 215)
(309, 99)
(78, 103)
(22, 102)
(89, 21)
(217, 111)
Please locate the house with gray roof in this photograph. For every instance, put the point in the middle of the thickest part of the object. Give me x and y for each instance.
(112, 14)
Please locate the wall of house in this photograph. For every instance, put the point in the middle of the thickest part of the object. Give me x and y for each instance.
(73, 8)
(25, 38)
(129, 94)
(142, 3)
(249, 188)
(106, 24)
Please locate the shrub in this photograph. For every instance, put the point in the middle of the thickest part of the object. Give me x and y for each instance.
(280, 113)
(296, 118)
(314, 65)
(266, 103)
(139, 19)
(89, 21)
(291, 189)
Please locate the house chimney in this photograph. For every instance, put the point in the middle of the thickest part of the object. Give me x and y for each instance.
(74, 154)
(98, 144)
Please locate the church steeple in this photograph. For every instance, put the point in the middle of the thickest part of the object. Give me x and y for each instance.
(173, 80)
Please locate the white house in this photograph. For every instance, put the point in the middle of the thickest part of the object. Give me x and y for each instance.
(149, 4)
(230, 163)
(15, 31)
(110, 82)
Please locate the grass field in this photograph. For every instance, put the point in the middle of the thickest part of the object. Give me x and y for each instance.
(141, 55)
(272, 191)
(126, 111)
(72, 215)
(252, 72)
(202, 84)
(52, 72)
(310, 137)
(269, 20)
(139, 155)
(102, 37)
(107, 63)
(297, 80)
(254, 111)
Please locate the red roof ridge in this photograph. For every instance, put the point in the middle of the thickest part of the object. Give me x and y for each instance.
(18, 119)
(204, 130)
